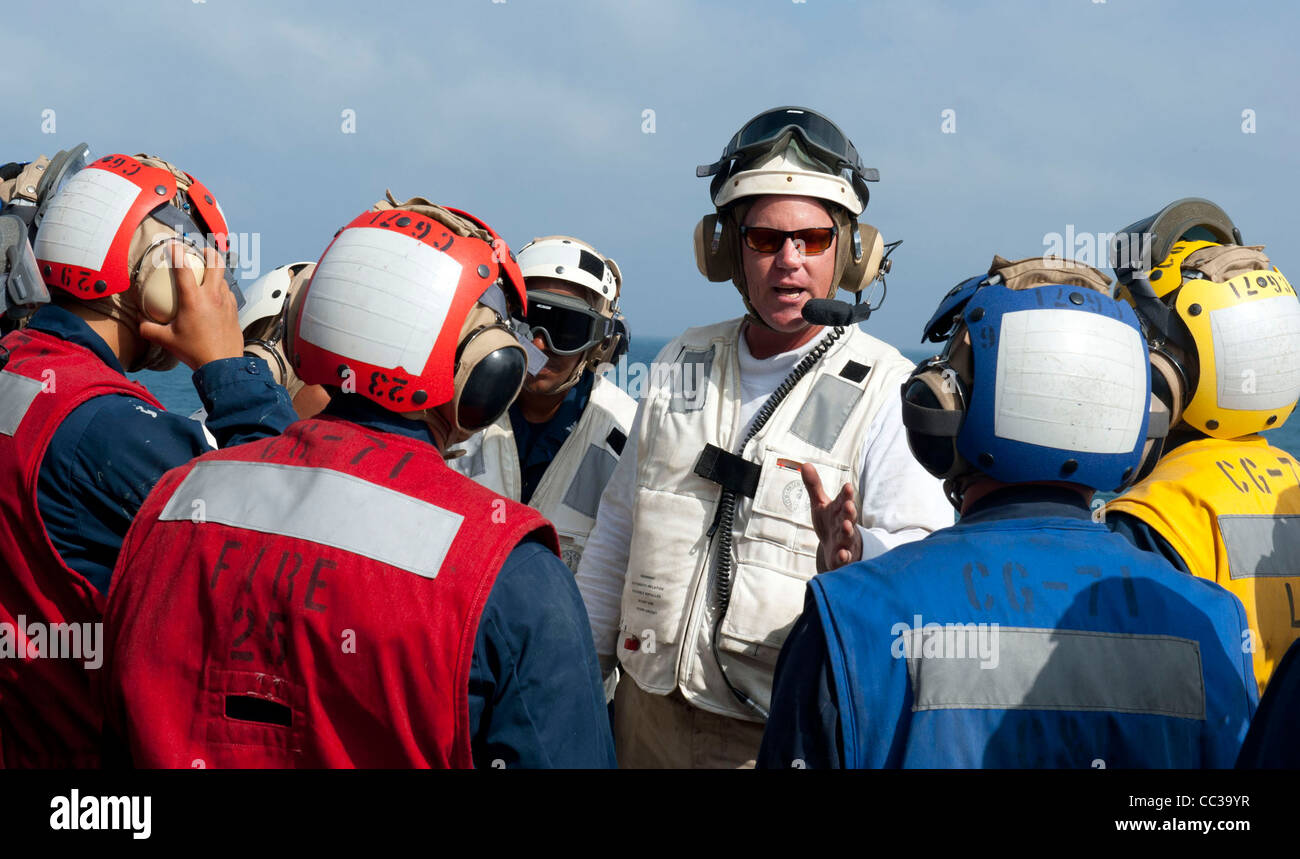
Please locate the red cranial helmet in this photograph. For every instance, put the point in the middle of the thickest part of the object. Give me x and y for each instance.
(410, 307)
(85, 242)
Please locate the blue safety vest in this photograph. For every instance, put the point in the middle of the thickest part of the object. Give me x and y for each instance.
(1033, 642)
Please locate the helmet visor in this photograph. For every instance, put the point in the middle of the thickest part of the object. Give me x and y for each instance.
(62, 167)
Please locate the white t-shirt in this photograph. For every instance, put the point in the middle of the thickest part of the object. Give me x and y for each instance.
(898, 500)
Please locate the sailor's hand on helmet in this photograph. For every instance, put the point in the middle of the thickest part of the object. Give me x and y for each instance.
(835, 521)
(206, 327)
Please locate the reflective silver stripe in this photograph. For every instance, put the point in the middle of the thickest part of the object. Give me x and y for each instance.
(1261, 546)
(823, 416)
(321, 506)
(475, 463)
(690, 380)
(584, 492)
(1061, 669)
(16, 395)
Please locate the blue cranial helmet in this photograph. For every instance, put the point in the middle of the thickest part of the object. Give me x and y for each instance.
(1044, 377)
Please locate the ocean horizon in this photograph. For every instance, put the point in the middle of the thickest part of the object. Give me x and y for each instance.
(175, 388)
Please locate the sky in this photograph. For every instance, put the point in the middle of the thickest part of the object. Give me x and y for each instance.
(995, 126)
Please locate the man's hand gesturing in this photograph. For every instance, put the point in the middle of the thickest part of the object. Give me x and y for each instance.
(835, 522)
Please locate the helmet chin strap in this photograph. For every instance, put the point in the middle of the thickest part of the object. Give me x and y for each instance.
(574, 377)
(955, 487)
(736, 215)
(754, 316)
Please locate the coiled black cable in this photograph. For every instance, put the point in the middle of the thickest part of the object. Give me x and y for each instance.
(727, 508)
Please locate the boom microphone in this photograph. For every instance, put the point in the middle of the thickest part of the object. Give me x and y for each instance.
(828, 311)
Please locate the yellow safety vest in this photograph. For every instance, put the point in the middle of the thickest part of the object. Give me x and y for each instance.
(1231, 509)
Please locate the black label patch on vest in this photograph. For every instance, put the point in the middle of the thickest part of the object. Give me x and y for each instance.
(855, 372)
(728, 470)
(616, 439)
(247, 708)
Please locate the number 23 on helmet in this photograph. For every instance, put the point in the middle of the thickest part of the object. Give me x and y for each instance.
(411, 308)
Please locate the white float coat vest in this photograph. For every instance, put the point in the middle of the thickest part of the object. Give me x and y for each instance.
(569, 492)
(668, 609)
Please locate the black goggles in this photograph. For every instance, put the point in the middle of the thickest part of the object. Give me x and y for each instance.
(821, 137)
(566, 325)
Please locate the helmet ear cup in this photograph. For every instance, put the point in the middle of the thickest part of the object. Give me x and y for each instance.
(1169, 385)
(715, 248)
(935, 398)
(157, 282)
(933, 409)
(488, 378)
(623, 335)
(490, 384)
(1154, 447)
(273, 355)
(1168, 398)
(857, 274)
(490, 371)
(292, 310)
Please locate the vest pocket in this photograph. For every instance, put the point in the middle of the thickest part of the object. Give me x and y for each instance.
(667, 543)
(775, 558)
(260, 712)
(765, 603)
(781, 513)
(662, 562)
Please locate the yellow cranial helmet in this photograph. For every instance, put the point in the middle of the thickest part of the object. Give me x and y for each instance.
(1223, 322)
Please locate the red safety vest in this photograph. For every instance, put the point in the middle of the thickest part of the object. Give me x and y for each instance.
(49, 716)
(310, 600)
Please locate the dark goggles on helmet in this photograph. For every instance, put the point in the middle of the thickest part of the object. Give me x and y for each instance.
(819, 136)
(567, 325)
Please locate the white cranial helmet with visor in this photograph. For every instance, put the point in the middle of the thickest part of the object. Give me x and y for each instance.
(568, 325)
